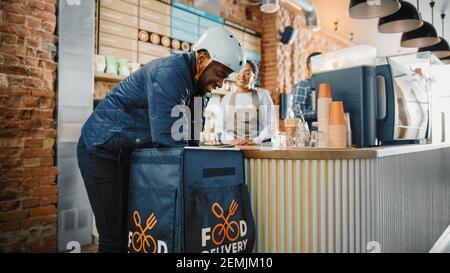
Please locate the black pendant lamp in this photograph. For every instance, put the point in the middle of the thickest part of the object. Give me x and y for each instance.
(406, 19)
(442, 49)
(368, 9)
(445, 60)
(424, 36)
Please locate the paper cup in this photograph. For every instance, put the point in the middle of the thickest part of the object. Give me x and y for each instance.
(336, 116)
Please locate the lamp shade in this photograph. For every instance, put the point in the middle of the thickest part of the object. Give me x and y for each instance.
(367, 9)
(312, 19)
(441, 50)
(424, 36)
(446, 60)
(406, 19)
(269, 6)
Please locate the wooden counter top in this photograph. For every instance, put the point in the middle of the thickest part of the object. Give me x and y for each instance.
(347, 153)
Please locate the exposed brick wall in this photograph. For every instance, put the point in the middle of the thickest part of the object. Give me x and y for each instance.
(249, 16)
(28, 191)
(269, 60)
(282, 65)
(291, 59)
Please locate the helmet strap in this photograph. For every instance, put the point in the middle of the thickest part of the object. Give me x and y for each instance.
(202, 69)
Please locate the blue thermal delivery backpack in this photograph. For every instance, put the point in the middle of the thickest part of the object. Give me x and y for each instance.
(189, 200)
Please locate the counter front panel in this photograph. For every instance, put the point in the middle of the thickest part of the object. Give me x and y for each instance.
(396, 200)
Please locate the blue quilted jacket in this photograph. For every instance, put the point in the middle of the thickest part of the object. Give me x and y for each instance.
(137, 111)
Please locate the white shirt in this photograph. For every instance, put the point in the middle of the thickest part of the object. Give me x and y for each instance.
(244, 100)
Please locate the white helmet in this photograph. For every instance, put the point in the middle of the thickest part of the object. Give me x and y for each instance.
(223, 47)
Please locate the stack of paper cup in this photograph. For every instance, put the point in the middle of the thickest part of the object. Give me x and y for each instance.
(337, 130)
(323, 110)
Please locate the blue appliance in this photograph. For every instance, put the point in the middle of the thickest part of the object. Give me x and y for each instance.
(356, 88)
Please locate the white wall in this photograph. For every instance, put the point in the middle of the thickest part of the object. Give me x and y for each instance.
(440, 94)
(365, 31)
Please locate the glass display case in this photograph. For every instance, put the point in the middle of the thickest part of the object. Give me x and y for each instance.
(407, 94)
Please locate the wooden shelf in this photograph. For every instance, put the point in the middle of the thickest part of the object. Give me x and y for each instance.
(108, 77)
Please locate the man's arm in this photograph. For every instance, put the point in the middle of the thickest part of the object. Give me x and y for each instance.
(299, 104)
(166, 92)
(298, 100)
(308, 111)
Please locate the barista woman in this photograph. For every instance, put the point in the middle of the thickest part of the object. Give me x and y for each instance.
(248, 114)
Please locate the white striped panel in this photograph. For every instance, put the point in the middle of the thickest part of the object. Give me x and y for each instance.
(337, 207)
(282, 209)
(344, 206)
(357, 206)
(298, 198)
(374, 200)
(290, 208)
(368, 204)
(314, 210)
(330, 207)
(258, 200)
(305, 216)
(253, 185)
(273, 209)
(249, 181)
(363, 206)
(323, 208)
(266, 207)
(351, 206)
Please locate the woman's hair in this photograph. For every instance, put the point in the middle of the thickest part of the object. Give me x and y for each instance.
(254, 67)
(308, 60)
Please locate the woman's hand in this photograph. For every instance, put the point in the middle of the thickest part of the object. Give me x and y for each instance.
(239, 142)
(242, 142)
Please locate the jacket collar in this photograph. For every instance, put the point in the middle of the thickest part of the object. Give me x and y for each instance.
(191, 60)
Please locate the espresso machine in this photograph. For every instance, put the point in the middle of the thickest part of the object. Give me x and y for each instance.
(387, 98)
(356, 88)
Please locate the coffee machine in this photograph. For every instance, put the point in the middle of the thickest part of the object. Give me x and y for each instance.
(356, 88)
(387, 99)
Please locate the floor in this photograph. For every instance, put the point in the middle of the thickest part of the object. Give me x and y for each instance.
(90, 249)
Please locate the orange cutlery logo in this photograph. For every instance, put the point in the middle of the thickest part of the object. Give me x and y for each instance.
(140, 241)
(229, 230)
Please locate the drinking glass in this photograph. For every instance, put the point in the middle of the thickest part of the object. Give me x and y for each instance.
(302, 136)
(319, 139)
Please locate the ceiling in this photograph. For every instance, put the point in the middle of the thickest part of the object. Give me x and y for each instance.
(365, 31)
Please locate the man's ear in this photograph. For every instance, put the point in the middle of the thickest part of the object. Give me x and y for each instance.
(202, 57)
